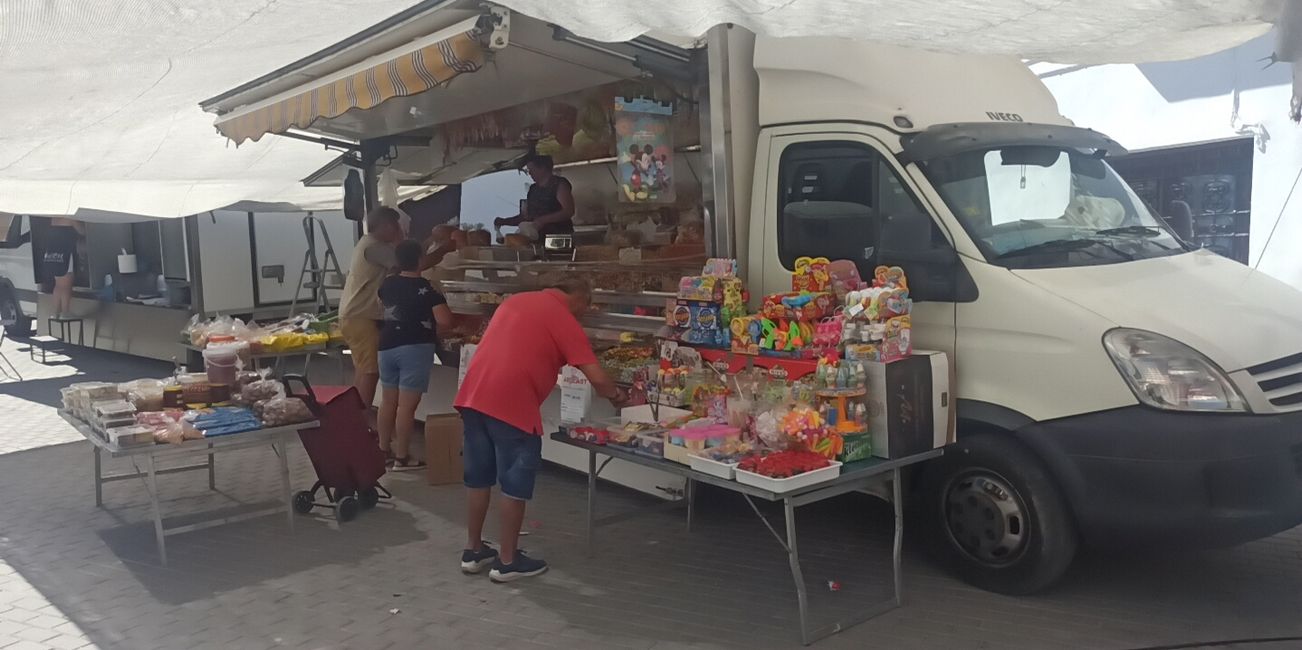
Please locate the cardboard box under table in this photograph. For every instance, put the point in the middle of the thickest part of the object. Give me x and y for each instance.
(443, 448)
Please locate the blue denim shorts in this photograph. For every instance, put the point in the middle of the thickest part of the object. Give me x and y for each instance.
(495, 451)
(407, 367)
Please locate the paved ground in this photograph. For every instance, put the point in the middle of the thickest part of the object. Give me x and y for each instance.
(72, 575)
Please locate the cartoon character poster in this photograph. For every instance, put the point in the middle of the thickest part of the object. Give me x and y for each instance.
(646, 150)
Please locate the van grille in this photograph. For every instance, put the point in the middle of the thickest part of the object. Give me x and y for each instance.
(1281, 381)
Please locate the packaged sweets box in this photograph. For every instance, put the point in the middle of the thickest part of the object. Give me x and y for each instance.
(910, 404)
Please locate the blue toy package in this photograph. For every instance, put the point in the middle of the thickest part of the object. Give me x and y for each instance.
(223, 421)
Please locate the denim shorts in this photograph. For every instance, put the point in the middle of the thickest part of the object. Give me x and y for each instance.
(495, 451)
(407, 367)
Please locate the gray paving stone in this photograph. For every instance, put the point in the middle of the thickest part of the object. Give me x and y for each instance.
(70, 572)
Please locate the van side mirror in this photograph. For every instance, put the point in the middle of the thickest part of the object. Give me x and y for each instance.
(934, 270)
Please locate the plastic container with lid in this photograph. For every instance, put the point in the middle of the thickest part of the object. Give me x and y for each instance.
(130, 435)
(222, 362)
(683, 442)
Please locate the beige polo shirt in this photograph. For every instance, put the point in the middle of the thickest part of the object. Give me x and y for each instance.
(372, 260)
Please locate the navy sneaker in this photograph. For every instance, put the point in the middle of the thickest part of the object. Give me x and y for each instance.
(476, 561)
(523, 567)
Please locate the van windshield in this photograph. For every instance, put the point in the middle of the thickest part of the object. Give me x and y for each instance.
(1048, 207)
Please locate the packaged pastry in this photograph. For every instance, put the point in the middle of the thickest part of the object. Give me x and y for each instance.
(281, 411)
(261, 390)
(130, 435)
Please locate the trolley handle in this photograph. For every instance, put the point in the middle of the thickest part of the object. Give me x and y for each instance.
(307, 394)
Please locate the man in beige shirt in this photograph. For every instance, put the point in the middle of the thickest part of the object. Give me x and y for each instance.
(360, 313)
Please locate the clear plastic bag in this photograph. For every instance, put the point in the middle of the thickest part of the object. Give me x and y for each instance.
(144, 394)
(261, 390)
(281, 411)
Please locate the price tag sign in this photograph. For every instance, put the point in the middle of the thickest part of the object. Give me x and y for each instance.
(467, 351)
(576, 395)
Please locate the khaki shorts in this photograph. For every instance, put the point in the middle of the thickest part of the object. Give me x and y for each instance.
(363, 337)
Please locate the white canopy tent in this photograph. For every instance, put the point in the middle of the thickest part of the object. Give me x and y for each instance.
(99, 100)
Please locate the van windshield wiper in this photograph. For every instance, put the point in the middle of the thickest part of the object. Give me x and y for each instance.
(1147, 232)
(1051, 246)
(1139, 231)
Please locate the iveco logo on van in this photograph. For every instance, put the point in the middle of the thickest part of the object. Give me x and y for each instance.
(1004, 117)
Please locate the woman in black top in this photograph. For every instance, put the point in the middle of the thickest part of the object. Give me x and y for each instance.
(550, 202)
(413, 312)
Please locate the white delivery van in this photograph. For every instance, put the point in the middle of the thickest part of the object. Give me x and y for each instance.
(1114, 385)
(17, 279)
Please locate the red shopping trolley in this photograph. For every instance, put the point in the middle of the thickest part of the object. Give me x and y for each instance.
(345, 452)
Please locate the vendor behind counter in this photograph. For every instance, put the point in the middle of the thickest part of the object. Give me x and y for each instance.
(549, 204)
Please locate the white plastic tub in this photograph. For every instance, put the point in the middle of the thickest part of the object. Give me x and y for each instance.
(796, 482)
(712, 467)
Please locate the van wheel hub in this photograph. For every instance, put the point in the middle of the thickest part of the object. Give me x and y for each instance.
(986, 518)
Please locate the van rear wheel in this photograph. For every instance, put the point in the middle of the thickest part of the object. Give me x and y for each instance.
(11, 313)
(996, 517)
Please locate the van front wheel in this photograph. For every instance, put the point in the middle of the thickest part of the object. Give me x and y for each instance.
(996, 517)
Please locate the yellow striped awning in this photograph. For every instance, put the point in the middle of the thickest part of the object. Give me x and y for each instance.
(410, 73)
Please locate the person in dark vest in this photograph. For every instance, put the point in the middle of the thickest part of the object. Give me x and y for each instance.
(550, 203)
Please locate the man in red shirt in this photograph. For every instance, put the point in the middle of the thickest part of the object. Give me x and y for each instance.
(530, 338)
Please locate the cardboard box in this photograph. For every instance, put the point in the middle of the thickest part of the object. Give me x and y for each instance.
(910, 408)
(443, 448)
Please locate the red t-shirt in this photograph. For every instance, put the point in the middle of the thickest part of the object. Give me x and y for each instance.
(530, 338)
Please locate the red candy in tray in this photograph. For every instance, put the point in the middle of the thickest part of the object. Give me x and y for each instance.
(594, 435)
(784, 464)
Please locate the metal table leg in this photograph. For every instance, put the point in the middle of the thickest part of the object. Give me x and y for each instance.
(897, 504)
(152, 472)
(99, 477)
(212, 469)
(282, 450)
(793, 556)
(690, 490)
(592, 502)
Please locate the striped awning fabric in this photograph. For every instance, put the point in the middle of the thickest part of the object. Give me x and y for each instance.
(407, 74)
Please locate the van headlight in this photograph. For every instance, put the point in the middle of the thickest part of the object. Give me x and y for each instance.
(1170, 375)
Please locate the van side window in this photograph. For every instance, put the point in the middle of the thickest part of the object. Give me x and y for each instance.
(835, 198)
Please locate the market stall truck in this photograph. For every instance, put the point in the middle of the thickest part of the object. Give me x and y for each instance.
(1114, 385)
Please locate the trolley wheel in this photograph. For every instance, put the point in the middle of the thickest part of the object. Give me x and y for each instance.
(369, 497)
(303, 502)
(347, 508)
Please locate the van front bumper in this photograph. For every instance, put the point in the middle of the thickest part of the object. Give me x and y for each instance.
(1139, 475)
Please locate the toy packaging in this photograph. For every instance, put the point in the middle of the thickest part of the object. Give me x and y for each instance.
(812, 275)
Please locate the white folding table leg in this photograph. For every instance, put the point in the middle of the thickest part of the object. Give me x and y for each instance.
(152, 470)
(282, 450)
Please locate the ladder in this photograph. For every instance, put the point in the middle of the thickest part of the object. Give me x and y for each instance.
(318, 274)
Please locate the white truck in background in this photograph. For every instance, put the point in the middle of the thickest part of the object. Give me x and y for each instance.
(17, 276)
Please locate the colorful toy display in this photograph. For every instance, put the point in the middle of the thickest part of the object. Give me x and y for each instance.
(878, 322)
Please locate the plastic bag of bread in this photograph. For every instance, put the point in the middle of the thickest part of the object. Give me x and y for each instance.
(281, 411)
(144, 394)
(261, 390)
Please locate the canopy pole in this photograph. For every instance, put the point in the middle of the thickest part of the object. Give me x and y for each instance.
(372, 151)
(716, 113)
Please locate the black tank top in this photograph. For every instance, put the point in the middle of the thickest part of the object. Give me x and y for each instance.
(542, 200)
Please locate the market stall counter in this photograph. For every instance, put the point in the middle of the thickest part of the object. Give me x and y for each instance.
(854, 477)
